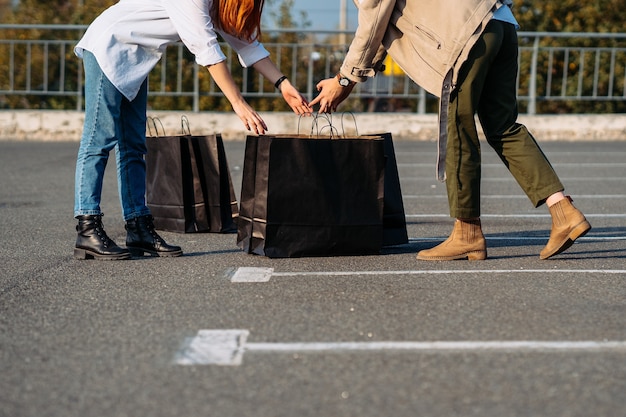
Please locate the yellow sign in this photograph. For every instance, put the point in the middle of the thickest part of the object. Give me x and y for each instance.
(391, 68)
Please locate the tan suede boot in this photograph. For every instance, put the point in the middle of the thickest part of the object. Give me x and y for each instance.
(568, 224)
(465, 242)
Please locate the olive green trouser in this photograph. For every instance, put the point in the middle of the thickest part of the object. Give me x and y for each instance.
(487, 87)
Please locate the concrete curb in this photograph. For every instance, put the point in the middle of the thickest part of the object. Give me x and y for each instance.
(27, 125)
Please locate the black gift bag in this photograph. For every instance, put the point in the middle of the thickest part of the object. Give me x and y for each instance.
(189, 187)
(394, 218)
(304, 196)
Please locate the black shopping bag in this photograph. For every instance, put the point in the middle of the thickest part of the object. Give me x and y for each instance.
(394, 218)
(303, 196)
(189, 187)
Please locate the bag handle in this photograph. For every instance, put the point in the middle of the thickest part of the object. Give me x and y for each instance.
(315, 126)
(356, 128)
(153, 121)
(184, 123)
(333, 131)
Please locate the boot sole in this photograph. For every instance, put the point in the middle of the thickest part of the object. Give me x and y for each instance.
(87, 254)
(139, 253)
(579, 231)
(470, 256)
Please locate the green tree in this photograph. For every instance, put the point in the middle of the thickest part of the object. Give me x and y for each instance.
(34, 53)
(571, 15)
(35, 63)
(281, 53)
(569, 60)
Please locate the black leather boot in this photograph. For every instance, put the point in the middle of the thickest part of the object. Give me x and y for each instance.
(92, 241)
(141, 237)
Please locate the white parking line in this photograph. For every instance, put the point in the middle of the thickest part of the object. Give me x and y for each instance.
(511, 179)
(227, 347)
(562, 164)
(522, 215)
(519, 196)
(551, 154)
(261, 274)
(524, 238)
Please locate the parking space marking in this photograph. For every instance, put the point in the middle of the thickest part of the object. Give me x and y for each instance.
(524, 238)
(522, 215)
(251, 274)
(558, 164)
(519, 196)
(511, 179)
(553, 153)
(227, 347)
(262, 274)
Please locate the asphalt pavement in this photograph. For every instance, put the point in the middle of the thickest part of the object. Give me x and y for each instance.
(383, 335)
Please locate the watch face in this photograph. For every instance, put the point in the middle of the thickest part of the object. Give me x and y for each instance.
(344, 82)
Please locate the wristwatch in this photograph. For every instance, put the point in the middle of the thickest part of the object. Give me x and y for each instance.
(343, 81)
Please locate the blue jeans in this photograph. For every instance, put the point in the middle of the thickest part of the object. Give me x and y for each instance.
(111, 121)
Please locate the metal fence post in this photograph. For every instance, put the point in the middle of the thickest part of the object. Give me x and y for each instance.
(19, 84)
(421, 101)
(532, 93)
(196, 88)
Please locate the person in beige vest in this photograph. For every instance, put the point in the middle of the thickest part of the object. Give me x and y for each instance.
(465, 53)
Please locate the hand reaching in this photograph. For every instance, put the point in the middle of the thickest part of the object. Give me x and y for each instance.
(250, 118)
(331, 95)
(253, 122)
(294, 99)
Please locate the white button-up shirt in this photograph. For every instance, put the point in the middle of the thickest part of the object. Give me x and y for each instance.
(129, 38)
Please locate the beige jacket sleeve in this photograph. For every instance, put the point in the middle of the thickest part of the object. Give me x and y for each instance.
(366, 53)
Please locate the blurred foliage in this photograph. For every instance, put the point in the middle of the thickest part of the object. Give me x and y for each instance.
(33, 62)
(36, 65)
(563, 69)
(571, 72)
(253, 84)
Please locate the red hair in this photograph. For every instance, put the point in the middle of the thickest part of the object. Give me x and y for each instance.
(239, 18)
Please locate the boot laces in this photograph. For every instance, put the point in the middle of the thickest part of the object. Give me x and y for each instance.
(150, 228)
(101, 233)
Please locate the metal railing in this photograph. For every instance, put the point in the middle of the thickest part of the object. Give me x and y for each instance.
(574, 67)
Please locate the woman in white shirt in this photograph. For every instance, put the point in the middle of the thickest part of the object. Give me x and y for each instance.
(119, 49)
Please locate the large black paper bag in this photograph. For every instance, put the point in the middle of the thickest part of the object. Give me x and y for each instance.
(394, 218)
(247, 197)
(189, 187)
(306, 196)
